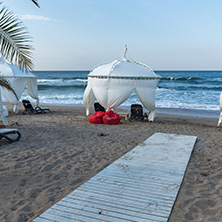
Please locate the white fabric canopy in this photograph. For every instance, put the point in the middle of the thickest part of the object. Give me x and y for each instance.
(19, 80)
(2, 112)
(112, 83)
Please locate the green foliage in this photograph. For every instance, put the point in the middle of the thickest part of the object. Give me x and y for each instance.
(5, 83)
(15, 40)
(35, 2)
(14, 43)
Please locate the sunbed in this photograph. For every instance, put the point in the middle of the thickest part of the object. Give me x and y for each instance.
(99, 107)
(29, 109)
(4, 133)
(137, 113)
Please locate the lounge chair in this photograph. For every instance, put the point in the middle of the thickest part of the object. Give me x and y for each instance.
(29, 109)
(5, 132)
(137, 113)
(99, 107)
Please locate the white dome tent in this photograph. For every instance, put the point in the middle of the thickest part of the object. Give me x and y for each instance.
(112, 83)
(19, 80)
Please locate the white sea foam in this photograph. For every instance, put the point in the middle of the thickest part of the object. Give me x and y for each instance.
(61, 82)
(82, 80)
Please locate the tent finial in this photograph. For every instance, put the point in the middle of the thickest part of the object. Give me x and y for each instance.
(125, 50)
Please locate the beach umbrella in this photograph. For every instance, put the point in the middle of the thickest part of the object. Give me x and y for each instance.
(112, 83)
(19, 80)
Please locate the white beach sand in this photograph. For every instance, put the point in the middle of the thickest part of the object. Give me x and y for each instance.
(61, 150)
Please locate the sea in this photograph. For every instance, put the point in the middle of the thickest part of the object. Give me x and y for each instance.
(177, 89)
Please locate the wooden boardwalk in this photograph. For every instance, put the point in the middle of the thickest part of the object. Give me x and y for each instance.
(140, 186)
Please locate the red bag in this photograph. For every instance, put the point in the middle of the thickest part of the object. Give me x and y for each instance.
(99, 114)
(111, 118)
(96, 118)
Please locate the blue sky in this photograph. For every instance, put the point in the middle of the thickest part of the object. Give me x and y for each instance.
(164, 34)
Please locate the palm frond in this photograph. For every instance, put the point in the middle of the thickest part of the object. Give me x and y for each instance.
(6, 84)
(15, 41)
(36, 3)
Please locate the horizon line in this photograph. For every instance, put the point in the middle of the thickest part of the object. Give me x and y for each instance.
(85, 70)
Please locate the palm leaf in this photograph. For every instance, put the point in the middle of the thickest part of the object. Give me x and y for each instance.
(15, 40)
(36, 3)
(6, 84)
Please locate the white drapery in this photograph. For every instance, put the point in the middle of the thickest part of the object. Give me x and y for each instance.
(112, 84)
(19, 80)
(3, 118)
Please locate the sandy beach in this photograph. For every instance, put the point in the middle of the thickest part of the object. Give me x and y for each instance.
(61, 150)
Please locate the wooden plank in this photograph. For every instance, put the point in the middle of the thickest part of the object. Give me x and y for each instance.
(140, 186)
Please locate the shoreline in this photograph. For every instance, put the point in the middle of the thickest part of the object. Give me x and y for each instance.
(196, 116)
(158, 110)
(162, 110)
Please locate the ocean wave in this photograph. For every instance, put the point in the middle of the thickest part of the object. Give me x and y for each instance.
(62, 83)
(190, 88)
(75, 78)
(171, 78)
(61, 74)
(53, 87)
(187, 106)
(173, 104)
(48, 80)
(217, 79)
(165, 88)
(61, 80)
(61, 97)
(82, 80)
(206, 88)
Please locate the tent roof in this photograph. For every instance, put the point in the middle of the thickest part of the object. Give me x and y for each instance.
(123, 67)
(9, 70)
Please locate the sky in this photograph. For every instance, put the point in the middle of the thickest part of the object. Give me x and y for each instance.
(164, 34)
